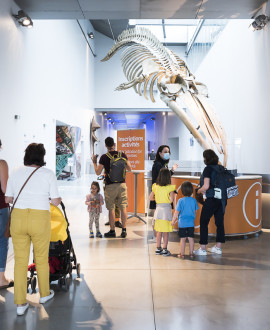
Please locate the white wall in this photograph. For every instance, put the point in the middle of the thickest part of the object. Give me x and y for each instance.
(109, 75)
(48, 75)
(105, 131)
(170, 126)
(237, 71)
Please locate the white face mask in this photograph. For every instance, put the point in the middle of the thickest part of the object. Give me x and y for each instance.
(166, 156)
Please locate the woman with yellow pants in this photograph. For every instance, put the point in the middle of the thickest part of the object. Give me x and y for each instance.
(30, 222)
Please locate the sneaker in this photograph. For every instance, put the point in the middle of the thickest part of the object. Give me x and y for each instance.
(110, 234)
(200, 252)
(43, 300)
(124, 234)
(118, 224)
(107, 223)
(215, 250)
(165, 253)
(99, 235)
(91, 235)
(158, 251)
(22, 309)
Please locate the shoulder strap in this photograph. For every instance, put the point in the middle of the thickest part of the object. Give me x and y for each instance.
(23, 187)
(109, 155)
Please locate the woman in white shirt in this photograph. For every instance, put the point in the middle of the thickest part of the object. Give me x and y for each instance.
(30, 222)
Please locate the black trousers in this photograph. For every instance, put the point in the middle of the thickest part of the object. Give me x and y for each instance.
(212, 206)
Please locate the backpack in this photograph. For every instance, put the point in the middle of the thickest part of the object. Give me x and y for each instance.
(224, 187)
(117, 167)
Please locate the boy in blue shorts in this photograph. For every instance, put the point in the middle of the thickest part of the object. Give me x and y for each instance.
(185, 212)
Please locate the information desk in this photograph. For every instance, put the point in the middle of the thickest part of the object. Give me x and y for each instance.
(243, 214)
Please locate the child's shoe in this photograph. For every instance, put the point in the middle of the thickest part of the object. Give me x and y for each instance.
(99, 235)
(165, 253)
(91, 235)
(200, 252)
(158, 251)
(215, 250)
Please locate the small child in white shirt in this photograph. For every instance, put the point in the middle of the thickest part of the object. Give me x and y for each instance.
(94, 202)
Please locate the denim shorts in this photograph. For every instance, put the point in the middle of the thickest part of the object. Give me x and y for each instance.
(186, 232)
(4, 213)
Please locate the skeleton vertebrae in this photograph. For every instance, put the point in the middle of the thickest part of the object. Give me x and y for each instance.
(146, 61)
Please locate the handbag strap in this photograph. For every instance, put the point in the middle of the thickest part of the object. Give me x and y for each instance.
(23, 187)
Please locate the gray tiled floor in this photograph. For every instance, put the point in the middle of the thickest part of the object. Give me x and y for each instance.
(124, 285)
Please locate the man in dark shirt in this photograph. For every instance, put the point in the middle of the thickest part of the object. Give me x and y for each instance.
(152, 155)
(115, 193)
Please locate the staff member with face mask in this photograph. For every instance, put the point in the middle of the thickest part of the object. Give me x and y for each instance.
(161, 161)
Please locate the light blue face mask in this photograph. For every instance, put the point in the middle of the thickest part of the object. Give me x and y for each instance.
(166, 156)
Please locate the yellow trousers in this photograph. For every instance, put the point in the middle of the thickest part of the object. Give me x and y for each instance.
(30, 225)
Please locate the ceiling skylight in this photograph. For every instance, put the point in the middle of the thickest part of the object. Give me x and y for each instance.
(169, 31)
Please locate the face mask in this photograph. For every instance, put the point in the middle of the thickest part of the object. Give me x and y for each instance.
(166, 156)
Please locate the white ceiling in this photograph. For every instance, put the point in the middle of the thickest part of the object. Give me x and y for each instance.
(123, 9)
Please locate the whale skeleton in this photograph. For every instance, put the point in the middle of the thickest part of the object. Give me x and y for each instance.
(147, 65)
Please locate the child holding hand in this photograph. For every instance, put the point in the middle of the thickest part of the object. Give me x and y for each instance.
(163, 193)
(185, 212)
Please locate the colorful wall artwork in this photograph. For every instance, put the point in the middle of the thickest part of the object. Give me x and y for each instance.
(68, 152)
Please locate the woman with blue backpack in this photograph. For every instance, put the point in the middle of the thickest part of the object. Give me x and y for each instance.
(213, 204)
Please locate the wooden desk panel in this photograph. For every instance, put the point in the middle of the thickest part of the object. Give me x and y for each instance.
(243, 213)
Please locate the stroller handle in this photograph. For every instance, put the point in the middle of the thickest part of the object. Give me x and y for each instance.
(64, 210)
(63, 206)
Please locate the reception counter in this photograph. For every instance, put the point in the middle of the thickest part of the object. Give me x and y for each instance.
(243, 213)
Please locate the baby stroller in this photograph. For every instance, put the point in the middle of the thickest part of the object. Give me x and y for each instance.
(62, 258)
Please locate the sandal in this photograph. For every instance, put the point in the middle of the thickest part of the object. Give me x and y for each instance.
(191, 256)
(181, 256)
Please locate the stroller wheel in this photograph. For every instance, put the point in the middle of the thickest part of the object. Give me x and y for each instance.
(33, 283)
(70, 270)
(29, 290)
(78, 270)
(63, 283)
(66, 286)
